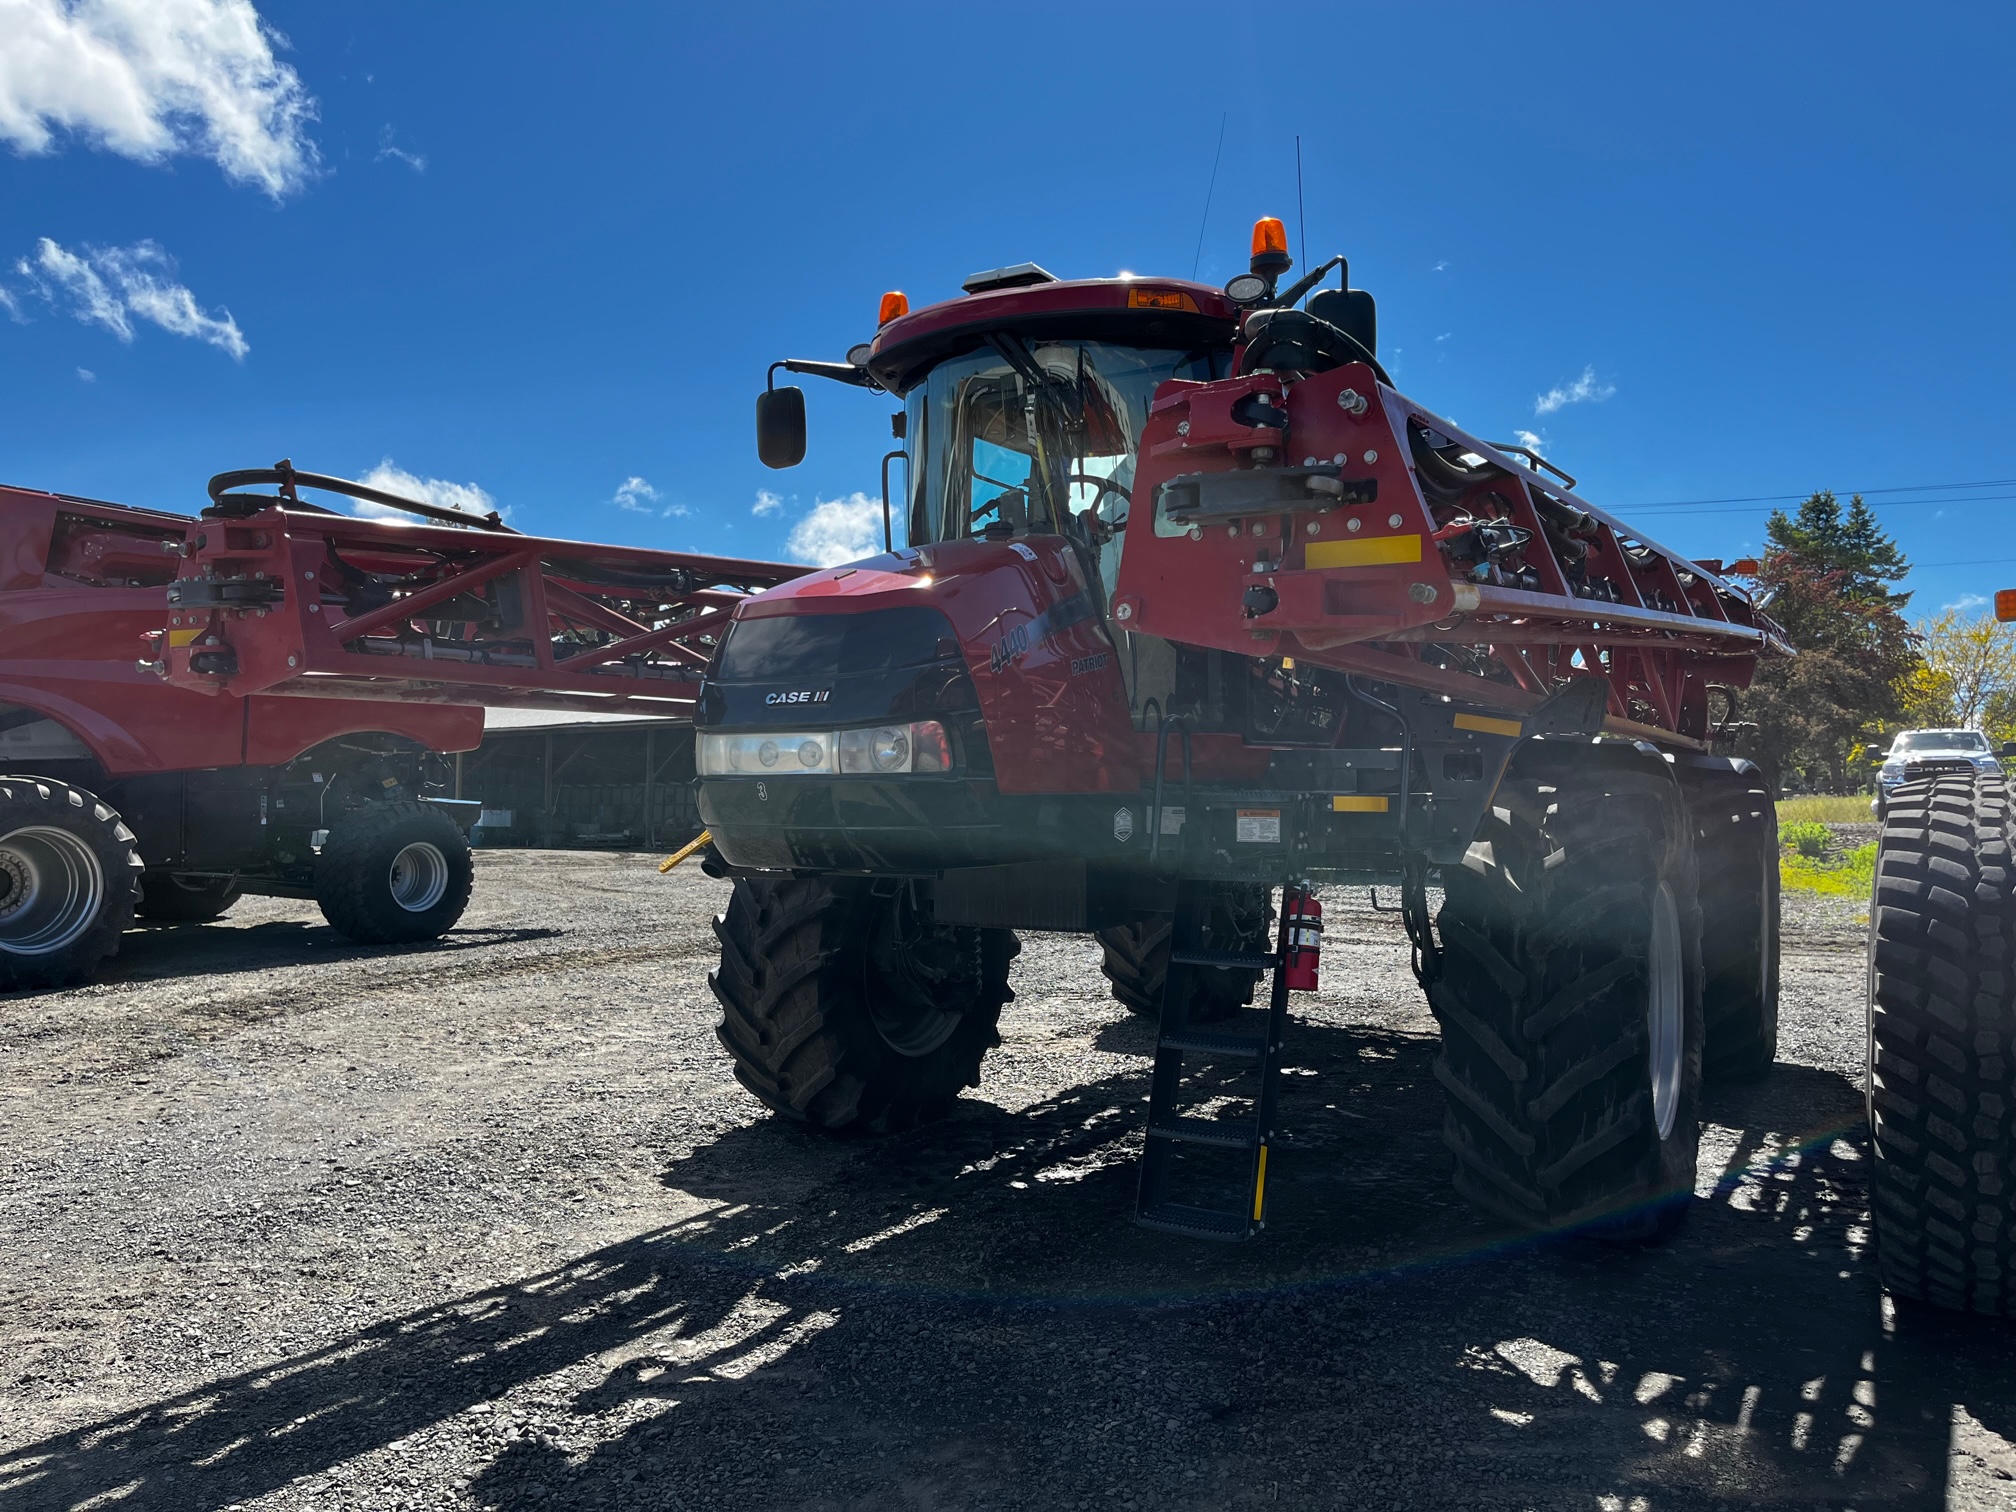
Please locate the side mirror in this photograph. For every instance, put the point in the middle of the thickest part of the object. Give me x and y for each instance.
(780, 427)
(2008, 748)
(1873, 753)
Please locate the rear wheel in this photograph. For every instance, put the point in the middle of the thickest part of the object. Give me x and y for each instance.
(851, 1010)
(1136, 959)
(180, 898)
(69, 876)
(1736, 849)
(394, 873)
(1569, 997)
(1942, 1045)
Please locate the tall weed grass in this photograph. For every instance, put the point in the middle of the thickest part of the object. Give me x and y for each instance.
(1849, 810)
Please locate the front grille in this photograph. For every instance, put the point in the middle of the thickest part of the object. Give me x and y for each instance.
(1919, 769)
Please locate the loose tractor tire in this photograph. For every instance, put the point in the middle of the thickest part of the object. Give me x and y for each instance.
(69, 877)
(1570, 997)
(394, 873)
(180, 898)
(1136, 956)
(1942, 1045)
(844, 1006)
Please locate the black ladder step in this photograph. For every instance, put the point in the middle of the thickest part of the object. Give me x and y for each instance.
(1204, 1131)
(1231, 958)
(1215, 1042)
(1195, 1222)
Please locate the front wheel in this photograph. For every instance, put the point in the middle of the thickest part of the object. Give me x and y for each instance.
(394, 873)
(1570, 999)
(69, 875)
(852, 1010)
(1736, 848)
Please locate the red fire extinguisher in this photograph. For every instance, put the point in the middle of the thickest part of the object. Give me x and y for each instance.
(1302, 916)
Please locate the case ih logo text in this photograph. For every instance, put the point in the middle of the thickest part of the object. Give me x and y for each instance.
(799, 696)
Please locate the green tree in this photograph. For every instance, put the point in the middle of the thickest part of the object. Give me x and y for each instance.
(1969, 674)
(1827, 577)
(1825, 540)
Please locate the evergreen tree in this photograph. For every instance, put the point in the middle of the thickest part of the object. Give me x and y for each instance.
(1822, 539)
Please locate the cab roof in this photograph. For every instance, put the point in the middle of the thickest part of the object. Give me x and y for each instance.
(1147, 312)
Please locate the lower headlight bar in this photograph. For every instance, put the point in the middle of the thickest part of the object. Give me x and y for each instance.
(878, 750)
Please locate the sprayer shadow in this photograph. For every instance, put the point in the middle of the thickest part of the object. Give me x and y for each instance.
(963, 1316)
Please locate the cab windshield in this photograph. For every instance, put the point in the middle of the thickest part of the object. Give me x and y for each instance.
(1019, 439)
(1940, 740)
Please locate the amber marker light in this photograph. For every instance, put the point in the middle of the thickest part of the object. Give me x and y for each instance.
(2005, 604)
(1160, 299)
(895, 304)
(1270, 247)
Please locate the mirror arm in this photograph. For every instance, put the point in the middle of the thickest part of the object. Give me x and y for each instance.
(839, 372)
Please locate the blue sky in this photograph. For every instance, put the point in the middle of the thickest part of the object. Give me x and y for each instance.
(544, 251)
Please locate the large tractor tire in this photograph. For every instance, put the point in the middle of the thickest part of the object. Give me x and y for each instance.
(1942, 1045)
(1136, 960)
(394, 873)
(1736, 852)
(1569, 995)
(850, 1010)
(69, 876)
(179, 898)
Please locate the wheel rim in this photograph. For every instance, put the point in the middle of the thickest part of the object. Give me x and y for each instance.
(419, 877)
(1663, 1010)
(919, 980)
(51, 888)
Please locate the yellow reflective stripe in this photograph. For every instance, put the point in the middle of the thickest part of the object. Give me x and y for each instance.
(1260, 1185)
(1486, 726)
(1360, 803)
(182, 637)
(1379, 551)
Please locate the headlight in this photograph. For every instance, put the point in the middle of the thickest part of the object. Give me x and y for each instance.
(1987, 764)
(1893, 771)
(920, 747)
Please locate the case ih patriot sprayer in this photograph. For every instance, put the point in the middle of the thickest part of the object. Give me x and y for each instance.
(1195, 605)
(1197, 613)
(126, 793)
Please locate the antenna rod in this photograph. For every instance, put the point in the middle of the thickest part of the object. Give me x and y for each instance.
(1301, 220)
(1206, 220)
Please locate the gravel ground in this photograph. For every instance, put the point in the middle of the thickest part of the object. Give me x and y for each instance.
(293, 1224)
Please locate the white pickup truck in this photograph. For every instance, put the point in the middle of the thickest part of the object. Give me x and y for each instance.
(1921, 753)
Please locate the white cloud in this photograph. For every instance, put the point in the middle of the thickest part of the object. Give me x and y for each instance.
(675, 511)
(1968, 601)
(1584, 390)
(1529, 440)
(151, 78)
(389, 477)
(1442, 266)
(635, 495)
(837, 530)
(85, 375)
(388, 149)
(114, 286)
(767, 503)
